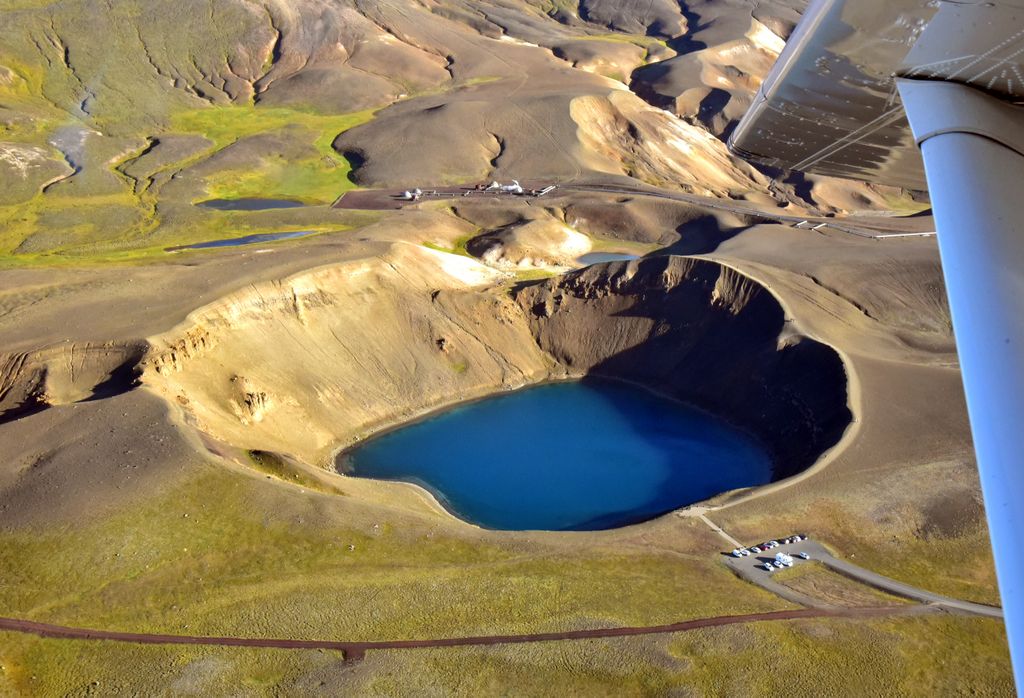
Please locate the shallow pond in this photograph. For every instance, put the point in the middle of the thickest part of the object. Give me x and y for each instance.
(249, 204)
(566, 456)
(244, 240)
(599, 257)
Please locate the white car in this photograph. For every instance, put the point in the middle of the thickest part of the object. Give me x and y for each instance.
(736, 553)
(768, 566)
(803, 556)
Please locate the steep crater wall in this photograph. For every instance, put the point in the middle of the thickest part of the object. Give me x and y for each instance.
(313, 362)
(306, 365)
(705, 334)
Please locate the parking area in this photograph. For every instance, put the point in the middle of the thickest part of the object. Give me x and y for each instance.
(778, 553)
(393, 199)
(752, 568)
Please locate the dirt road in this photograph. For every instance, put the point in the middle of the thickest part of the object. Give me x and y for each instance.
(357, 650)
(750, 568)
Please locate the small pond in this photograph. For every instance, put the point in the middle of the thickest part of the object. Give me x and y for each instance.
(244, 240)
(586, 455)
(600, 257)
(249, 204)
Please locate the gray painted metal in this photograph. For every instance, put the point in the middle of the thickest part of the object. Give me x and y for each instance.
(977, 183)
(936, 108)
(830, 105)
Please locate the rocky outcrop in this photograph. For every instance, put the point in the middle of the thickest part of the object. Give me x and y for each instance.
(702, 333)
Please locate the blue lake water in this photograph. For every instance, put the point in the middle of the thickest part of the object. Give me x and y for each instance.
(249, 204)
(244, 240)
(599, 257)
(566, 456)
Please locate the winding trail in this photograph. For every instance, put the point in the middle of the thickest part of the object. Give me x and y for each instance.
(355, 651)
(719, 530)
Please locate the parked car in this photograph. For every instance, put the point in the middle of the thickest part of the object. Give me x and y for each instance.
(804, 556)
(768, 566)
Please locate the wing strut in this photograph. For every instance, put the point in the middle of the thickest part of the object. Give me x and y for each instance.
(973, 149)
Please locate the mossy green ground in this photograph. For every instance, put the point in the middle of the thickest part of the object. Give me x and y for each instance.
(318, 180)
(124, 222)
(819, 582)
(814, 658)
(458, 246)
(230, 553)
(829, 657)
(58, 54)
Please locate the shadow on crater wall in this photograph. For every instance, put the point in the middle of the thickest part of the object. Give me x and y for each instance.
(704, 334)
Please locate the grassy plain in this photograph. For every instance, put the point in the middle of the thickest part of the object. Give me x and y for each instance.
(318, 179)
(819, 657)
(126, 222)
(821, 583)
(233, 553)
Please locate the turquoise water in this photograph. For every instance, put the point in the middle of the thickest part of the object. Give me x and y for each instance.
(567, 456)
(244, 240)
(600, 257)
(249, 204)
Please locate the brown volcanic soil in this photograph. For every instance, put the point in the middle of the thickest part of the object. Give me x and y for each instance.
(298, 347)
(292, 348)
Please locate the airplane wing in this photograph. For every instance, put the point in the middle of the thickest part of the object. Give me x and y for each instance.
(831, 106)
(928, 94)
